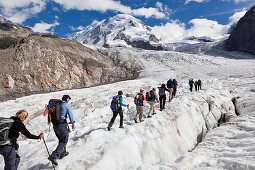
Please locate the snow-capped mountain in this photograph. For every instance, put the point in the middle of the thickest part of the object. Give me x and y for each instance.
(121, 30)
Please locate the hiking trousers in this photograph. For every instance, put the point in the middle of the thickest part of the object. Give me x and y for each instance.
(61, 131)
(139, 113)
(162, 101)
(170, 94)
(191, 87)
(115, 114)
(11, 158)
(152, 108)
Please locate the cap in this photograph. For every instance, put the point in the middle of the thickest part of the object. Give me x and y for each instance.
(65, 97)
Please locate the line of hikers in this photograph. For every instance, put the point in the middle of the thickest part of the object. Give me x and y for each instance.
(59, 110)
(151, 97)
(197, 83)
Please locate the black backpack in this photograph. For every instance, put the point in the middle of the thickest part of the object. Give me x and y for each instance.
(5, 125)
(54, 111)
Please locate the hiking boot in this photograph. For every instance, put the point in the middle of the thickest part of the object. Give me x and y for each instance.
(135, 121)
(53, 160)
(161, 109)
(149, 117)
(153, 113)
(109, 128)
(122, 127)
(63, 155)
(141, 120)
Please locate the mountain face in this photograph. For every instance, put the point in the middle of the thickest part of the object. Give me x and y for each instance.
(242, 37)
(120, 30)
(36, 63)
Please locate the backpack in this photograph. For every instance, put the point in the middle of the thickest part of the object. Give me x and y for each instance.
(161, 91)
(54, 111)
(5, 125)
(169, 84)
(174, 82)
(138, 100)
(148, 96)
(115, 104)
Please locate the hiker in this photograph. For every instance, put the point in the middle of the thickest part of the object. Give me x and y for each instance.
(199, 84)
(170, 87)
(191, 82)
(162, 96)
(195, 83)
(153, 97)
(175, 87)
(117, 100)
(139, 98)
(61, 130)
(10, 148)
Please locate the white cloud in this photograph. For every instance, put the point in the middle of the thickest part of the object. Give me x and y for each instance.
(43, 27)
(170, 32)
(237, 1)
(105, 5)
(236, 17)
(148, 12)
(19, 10)
(199, 1)
(175, 31)
(208, 28)
(80, 28)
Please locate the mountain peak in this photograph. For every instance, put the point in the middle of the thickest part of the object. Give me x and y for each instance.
(120, 30)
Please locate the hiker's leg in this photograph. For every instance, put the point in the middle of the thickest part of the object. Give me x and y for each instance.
(62, 134)
(115, 113)
(9, 154)
(164, 101)
(121, 117)
(151, 108)
(160, 101)
(141, 113)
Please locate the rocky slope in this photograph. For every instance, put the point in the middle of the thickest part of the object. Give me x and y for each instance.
(121, 30)
(36, 63)
(243, 36)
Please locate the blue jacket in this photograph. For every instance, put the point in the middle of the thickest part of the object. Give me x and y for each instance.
(121, 101)
(66, 110)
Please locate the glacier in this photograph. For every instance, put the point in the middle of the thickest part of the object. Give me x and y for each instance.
(185, 135)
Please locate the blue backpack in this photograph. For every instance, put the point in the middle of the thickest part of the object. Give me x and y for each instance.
(169, 84)
(115, 104)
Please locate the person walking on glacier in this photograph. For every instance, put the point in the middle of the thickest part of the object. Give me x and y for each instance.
(9, 132)
(116, 106)
(61, 130)
(153, 97)
(170, 86)
(199, 84)
(139, 98)
(162, 96)
(195, 83)
(191, 82)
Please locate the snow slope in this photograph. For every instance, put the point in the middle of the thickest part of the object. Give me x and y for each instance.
(169, 139)
(120, 30)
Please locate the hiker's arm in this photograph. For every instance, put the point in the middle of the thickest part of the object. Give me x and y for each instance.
(25, 132)
(70, 114)
(143, 97)
(121, 102)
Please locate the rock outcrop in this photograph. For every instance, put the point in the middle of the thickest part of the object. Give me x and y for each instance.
(37, 63)
(243, 36)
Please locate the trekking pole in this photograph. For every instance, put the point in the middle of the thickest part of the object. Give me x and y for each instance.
(48, 153)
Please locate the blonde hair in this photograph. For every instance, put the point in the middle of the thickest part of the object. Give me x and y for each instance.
(20, 111)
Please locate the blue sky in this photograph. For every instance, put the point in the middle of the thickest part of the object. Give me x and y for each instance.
(63, 17)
